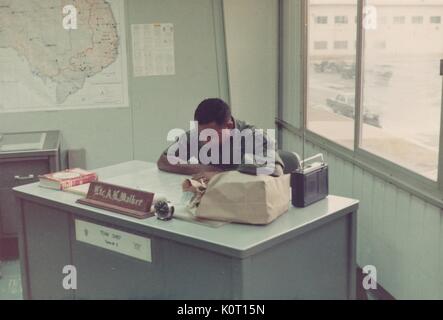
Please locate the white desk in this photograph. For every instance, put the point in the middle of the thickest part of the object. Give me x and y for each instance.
(306, 253)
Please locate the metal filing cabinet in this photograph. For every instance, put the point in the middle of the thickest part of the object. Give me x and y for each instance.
(23, 156)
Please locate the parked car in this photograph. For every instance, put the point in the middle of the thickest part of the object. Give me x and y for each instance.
(382, 74)
(348, 71)
(384, 71)
(329, 66)
(344, 104)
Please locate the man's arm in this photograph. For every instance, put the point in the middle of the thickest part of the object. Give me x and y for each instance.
(266, 159)
(185, 169)
(183, 143)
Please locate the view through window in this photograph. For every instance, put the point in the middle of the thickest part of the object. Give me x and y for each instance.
(402, 84)
(402, 87)
(332, 57)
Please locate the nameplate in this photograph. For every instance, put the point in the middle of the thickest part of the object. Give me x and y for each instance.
(131, 202)
(114, 240)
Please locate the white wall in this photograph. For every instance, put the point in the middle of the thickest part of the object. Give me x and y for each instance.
(157, 104)
(398, 233)
(164, 103)
(252, 51)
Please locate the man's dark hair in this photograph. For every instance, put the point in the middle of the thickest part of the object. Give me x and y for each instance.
(213, 110)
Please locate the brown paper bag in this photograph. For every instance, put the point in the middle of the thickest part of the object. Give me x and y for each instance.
(237, 197)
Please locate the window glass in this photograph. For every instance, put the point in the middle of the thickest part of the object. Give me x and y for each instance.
(402, 88)
(331, 71)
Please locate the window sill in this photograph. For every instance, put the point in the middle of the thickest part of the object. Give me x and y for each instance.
(405, 179)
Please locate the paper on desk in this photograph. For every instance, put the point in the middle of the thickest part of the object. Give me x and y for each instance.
(129, 181)
(81, 190)
(182, 214)
(161, 187)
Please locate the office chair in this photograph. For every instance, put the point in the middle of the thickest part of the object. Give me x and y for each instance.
(290, 160)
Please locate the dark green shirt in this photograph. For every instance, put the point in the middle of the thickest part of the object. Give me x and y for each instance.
(245, 141)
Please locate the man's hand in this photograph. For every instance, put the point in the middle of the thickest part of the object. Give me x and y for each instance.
(185, 169)
(278, 170)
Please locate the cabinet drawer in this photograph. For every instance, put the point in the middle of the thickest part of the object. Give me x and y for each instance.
(17, 172)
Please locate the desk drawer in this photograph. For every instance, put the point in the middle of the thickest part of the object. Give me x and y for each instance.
(16, 172)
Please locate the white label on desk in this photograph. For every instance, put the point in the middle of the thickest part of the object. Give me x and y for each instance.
(114, 240)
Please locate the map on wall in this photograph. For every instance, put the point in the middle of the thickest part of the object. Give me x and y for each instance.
(44, 66)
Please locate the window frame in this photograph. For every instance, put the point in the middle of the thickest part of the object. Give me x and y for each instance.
(323, 42)
(337, 44)
(399, 20)
(338, 20)
(320, 18)
(417, 20)
(433, 22)
(417, 184)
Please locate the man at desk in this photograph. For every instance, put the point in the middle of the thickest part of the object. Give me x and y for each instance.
(220, 143)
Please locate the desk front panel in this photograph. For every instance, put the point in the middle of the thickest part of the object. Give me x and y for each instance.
(318, 264)
(177, 271)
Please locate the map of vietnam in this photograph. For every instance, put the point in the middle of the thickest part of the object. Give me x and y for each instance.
(34, 29)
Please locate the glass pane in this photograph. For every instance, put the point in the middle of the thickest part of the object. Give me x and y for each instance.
(402, 86)
(331, 68)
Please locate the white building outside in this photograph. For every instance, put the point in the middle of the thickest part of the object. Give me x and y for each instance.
(401, 80)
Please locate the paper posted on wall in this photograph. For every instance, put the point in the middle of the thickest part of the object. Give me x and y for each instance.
(153, 49)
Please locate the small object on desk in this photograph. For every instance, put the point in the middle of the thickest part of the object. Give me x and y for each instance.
(81, 190)
(127, 201)
(67, 179)
(193, 191)
(164, 210)
(310, 183)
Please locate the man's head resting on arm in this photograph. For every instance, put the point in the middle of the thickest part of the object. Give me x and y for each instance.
(215, 115)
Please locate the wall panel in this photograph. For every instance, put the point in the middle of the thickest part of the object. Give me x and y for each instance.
(398, 233)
